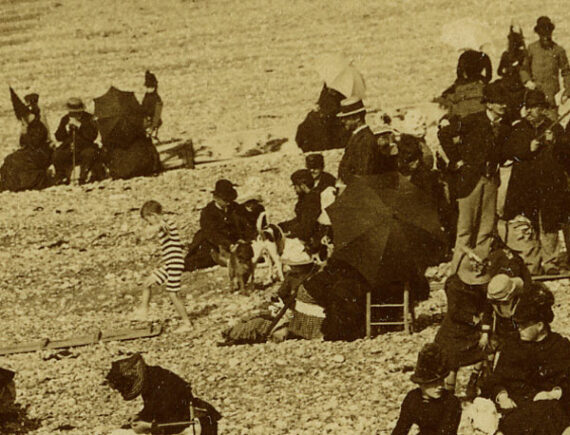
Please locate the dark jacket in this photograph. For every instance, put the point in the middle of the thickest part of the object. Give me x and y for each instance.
(480, 148)
(458, 334)
(543, 66)
(324, 181)
(433, 417)
(35, 141)
(362, 156)
(166, 397)
(510, 67)
(216, 225)
(85, 135)
(538, 182)
(526, 368)
(307, 211)
(320, 131)
(151, 108)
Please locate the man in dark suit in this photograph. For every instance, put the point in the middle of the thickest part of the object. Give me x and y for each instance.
(362, 155)
(76, 129)
(474, 145)
(216, 231)
(315, 163)
(307, 210)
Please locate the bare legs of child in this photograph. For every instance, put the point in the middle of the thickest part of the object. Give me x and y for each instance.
(142, 312)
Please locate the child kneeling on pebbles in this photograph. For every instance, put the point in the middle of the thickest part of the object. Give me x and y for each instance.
(172, 264)
(431, 407)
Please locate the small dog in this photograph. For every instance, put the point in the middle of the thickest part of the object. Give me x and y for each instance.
(269, 243)
(241, 266)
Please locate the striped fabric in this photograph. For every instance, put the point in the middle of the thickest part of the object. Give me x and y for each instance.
(172, 257)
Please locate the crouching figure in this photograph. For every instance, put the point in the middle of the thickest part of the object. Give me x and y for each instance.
(169, 405)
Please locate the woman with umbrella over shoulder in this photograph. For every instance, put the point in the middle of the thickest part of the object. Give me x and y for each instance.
(26, 168)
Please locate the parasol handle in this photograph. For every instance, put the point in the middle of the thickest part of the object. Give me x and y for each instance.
(72, 155)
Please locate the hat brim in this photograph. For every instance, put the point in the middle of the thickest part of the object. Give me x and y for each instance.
(226, 196)
(419, 380)
(75, 109)
(352, 113)
(517, 284)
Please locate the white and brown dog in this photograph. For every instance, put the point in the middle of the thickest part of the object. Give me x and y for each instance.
(269, 244)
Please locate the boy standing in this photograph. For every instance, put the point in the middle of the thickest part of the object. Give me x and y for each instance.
(172, 264)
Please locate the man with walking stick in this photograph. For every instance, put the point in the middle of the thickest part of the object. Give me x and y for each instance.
(77, 132)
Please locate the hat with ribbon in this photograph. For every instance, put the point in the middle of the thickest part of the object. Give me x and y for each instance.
(351, 107)
(75, 104)
(502, 288)
(431, 365)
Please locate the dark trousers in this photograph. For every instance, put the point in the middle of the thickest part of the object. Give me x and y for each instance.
(87, 158)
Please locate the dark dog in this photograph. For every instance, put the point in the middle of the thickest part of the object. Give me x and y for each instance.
(240, 265)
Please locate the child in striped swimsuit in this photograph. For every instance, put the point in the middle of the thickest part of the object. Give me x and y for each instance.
(172, 266)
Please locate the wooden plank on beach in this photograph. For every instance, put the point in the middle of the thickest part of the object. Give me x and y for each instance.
(83, 340)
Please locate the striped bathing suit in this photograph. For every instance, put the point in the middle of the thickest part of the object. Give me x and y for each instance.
(172, 257)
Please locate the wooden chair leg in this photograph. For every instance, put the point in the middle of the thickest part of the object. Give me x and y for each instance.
(368, 314)
(407, 315)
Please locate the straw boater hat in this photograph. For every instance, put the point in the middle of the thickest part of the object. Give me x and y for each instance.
(75, 104)
(431, 365)
(351, 107)
(503, 288)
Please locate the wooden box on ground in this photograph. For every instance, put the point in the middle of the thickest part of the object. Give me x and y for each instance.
(176, 153)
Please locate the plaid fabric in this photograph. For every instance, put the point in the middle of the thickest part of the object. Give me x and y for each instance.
(305, 326)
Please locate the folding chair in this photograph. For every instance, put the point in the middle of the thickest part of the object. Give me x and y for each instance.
(407, 307)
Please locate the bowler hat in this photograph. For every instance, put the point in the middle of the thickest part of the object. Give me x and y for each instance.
(150, 80)
(225, 190)
(535, 98)
(431, 365)
(315, 161)
(127, 376)
(5, 376)
(302, 176)
(502, 288)
(351, 107)
(75, 104)
(544, 26)
(535, 305)
(495, 93)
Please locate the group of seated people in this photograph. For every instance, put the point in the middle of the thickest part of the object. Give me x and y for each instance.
(78, 146)
(498, 321)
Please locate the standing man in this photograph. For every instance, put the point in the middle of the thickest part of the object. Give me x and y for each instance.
(474, 146)
(544, 62)
(76, 129)
(362, 155)
(315, 163)
(537, 187)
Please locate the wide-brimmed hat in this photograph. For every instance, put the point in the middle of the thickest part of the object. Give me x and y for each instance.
(315, 161)
(472, 272)
(6, 376)
(351, 107)
(502, 288)
(495, 93)
(127, 376)
(535, 305)
(431, 365)
(535, 98)
(75, 104)
(544, 26)
(150, 80)
(224, 189)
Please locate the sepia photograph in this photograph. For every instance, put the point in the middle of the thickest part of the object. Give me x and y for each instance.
(284, 217)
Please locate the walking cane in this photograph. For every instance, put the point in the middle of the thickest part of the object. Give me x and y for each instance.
(560, 118)
(73, 175)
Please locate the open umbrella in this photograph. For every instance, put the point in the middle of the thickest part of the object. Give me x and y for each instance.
(118, 113)
(386, 228)
(20, 109)
(467, 33)
(339, 74)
